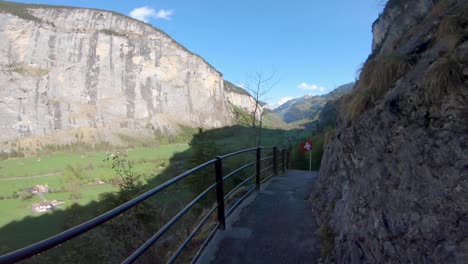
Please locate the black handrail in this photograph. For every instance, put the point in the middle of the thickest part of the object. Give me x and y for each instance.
(137, 253)
(238, 186)
(238, 152)
(71, 233)
(232, 173)
(266, 158)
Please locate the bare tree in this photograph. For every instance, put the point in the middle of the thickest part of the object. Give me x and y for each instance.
(129, 182)
(258, 86)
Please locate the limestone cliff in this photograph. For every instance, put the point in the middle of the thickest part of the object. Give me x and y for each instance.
(239, 97)
(393, 185)
(73, 74)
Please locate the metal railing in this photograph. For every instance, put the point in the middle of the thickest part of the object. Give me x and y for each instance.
(220, 207)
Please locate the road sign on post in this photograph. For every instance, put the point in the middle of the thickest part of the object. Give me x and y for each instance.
(306, 146)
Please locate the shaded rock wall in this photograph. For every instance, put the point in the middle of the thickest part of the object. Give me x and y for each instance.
(393, 186)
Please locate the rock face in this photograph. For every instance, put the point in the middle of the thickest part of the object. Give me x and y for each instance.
(309, 106)
(239, 97)
(72, 74)
(393, 185)
(395, 20)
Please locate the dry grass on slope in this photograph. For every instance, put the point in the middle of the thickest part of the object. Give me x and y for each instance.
(443, 77)
(454, 28)
(377, 77)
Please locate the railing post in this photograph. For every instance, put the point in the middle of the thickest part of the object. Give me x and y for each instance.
(220, 192)
(258, 168)
(275, 160)
(283, 160)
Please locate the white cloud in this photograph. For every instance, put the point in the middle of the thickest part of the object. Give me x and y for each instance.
(312, 87)
(145, 13)
(280, 102)
(164, 14)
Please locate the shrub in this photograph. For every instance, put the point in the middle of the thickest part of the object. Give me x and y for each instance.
(24, 195)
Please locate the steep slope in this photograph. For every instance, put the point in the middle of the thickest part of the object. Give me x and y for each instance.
(71, 75)
(309, 106)
(393, 184)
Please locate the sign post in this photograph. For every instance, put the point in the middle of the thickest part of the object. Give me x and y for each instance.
(307, 147)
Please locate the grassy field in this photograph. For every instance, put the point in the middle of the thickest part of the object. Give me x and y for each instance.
(17, 209)
(21, 167)
(17, 174)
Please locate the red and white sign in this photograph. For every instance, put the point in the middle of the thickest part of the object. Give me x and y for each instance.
(306, 146)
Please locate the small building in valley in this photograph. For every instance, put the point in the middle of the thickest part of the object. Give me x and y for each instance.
(45, 206)
(38, 189)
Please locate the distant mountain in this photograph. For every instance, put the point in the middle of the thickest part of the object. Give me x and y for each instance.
(309, 106)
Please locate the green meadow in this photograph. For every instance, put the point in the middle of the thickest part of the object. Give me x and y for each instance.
(17, 174)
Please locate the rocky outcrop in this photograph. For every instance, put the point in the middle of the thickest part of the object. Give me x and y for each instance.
(396, 19)
(393, 186)
(72, 74)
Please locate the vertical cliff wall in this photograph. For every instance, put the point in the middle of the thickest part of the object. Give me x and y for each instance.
(393, 185)
(72, 73)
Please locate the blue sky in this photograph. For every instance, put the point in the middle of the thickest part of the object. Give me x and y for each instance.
(312, 46)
